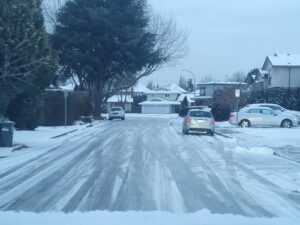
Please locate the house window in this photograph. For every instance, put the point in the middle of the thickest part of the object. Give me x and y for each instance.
(167, 95)
(202, 91)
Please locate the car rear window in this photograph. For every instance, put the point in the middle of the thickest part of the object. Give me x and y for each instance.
(200, 114)
(116, 109)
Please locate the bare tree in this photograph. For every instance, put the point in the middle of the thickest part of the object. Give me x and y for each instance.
(238, 76)
(50, 9)
(183, 83)
(170, 44)
(207, 78)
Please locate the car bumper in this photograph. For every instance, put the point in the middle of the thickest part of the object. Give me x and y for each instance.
(116, 116)
(200, 130)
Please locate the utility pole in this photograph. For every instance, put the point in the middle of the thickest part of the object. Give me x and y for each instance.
(66, 93)
(289, 80)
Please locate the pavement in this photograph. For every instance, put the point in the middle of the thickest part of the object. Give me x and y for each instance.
(147, 164)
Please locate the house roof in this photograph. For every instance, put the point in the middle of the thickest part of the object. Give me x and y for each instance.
(120, 98)
(223, 83)
(159, 101)
(175, 87)
(190, 97)
(169, 89)
(283, 60)
(139, 88)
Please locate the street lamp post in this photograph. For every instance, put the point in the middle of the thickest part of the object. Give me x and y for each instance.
(253, 81)
(194, 83)
(66, 94)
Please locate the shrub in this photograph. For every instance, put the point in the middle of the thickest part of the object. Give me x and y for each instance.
(78, 104)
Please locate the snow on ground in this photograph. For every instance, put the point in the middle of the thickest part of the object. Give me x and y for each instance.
(139, 218)
(41, 138)
(153, 168)
(283, 142)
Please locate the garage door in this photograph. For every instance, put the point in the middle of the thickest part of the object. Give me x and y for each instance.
(156, 109)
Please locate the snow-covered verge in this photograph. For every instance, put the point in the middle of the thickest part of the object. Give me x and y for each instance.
(283, 142)
(137, 218)
(41, 137)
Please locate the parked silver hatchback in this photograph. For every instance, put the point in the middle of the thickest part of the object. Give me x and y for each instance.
(199, 121)
(116, 113)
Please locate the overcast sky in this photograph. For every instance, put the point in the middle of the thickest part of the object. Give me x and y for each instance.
(230, 35)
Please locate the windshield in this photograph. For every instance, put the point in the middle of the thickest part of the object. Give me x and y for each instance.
(116, 109)
(200, 114)
(149, 112)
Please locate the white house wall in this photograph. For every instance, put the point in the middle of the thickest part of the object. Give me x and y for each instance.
(167, 97)
(280, 77)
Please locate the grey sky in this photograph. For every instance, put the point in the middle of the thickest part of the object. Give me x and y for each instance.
(230, 35)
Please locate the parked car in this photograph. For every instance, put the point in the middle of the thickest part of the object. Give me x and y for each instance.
(116, 113)
(262, 116)
(278, 109)
(200, 121)
(183, 112)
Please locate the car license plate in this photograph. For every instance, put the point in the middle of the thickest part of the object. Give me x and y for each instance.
(200, 121)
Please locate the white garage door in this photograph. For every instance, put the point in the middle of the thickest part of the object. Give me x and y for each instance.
(156, 109)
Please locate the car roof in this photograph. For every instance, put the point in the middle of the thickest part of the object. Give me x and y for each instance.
(201, 110)
(258, 104)
(256, 107)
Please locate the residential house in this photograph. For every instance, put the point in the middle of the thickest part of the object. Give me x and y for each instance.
(208, 89)
(125, 98)
(281, 70)
(162, 100)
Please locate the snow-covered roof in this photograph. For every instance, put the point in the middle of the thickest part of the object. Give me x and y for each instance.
(175, 87)
(169, 89)
(159, 101)
(223, 83)
(120, 98)
(139, 88)
(285, 59)
(263, 72)
(190, 97)
(67, 87)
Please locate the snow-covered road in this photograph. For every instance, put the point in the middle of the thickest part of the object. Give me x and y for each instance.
(146, 164)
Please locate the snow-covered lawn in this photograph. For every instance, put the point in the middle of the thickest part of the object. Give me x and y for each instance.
(42, 138)
(283, 142)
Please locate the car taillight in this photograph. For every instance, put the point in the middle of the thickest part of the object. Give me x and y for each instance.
(213, 122)
(188, 120)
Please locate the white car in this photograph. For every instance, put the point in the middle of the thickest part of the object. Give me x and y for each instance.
(262, 117)
(278, 109)
(116, 113)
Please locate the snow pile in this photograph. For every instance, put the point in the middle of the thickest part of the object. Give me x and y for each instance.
(138, 218)
(253, 150)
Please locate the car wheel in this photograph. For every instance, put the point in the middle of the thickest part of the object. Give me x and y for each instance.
(245, 123)
(185, 131)
(286, 124)
(123, 118)
(211, 133)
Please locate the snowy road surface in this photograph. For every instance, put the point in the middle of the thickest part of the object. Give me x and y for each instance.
(147, 164)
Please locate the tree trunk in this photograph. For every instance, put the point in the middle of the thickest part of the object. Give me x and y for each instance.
(98, 98)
